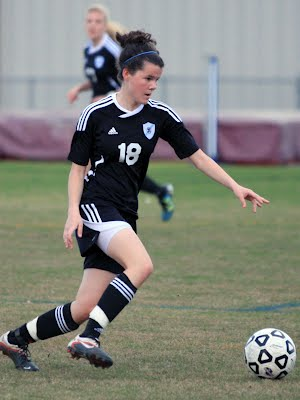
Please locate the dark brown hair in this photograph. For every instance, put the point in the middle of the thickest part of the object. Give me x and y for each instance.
(138, 47)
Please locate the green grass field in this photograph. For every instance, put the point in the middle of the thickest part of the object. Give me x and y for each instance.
(221, 273)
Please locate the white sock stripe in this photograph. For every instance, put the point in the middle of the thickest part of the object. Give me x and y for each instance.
(57, 319)
(123, 293)
(32, 328)
(60, 319)
(121, 290)
(63, 321)
(126, 287)
(91, 213)
(96, 212)
(98, 315)
(86, 213)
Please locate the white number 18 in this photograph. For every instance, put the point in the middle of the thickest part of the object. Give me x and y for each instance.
(130, 154)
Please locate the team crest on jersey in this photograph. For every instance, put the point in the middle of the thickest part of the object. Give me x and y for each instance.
(149, 130)
(99, 61)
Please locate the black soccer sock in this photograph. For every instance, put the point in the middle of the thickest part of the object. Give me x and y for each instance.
(117, 295)
(53, 323)
(150, 186)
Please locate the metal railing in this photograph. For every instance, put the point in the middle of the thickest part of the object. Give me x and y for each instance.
(29, 90)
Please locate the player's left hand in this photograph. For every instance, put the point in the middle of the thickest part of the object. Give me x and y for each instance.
(244, 194)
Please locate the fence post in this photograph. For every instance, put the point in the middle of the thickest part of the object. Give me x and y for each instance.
(297, 84)
(211, 142)
(31, 92)
(164, 89)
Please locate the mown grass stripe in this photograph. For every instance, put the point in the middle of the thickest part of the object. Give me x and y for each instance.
(264, 308)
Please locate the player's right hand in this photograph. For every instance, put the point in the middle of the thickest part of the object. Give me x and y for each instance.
(72, 95)
(72, 223)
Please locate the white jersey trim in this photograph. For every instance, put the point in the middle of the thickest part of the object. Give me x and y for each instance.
(106, 42)
(127, 113)
(162, 106)
(91, 49)
(112, 46)
(83, 119)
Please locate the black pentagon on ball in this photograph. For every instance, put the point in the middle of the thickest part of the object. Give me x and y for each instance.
(281, 361)
(281, 375)
(262, 340)
(264, 356)
(290, 347)
(277, 333)
(254, 367)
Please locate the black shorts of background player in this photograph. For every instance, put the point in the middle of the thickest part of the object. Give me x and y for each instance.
(101, 54)
(103, 211)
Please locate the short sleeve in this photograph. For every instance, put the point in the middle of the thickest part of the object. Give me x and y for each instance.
(179, 137)
(82, 141)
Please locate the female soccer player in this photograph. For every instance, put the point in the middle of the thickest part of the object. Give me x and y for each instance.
(101, 55)
(103, 211)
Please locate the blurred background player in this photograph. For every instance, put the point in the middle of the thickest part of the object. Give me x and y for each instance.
(101, 54)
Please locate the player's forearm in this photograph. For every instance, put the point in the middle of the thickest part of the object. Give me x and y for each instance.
(84, 86)
(210, 168)
(75, 187)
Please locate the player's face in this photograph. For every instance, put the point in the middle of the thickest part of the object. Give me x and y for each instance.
(95, 25)
(142, 83)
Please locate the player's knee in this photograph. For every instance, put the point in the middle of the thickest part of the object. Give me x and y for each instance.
(81, 310)
(148, 269)
(138, 273)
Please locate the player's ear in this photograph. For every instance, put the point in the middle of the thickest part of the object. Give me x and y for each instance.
(125, 73)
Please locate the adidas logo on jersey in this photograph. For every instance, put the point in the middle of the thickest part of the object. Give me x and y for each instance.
(112, 131)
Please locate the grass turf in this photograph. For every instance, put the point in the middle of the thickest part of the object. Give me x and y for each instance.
(221, 273)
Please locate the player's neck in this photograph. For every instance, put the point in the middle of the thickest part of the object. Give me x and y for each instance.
(97, 41)
(126, 101)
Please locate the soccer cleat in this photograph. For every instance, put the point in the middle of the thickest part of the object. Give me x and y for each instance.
(88, 348)
(166, 202)
(19, 355)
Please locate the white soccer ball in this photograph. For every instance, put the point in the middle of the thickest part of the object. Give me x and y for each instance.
(270, 353)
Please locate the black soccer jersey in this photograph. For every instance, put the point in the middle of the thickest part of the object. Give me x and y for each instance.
(100, 66)
(119, 144)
